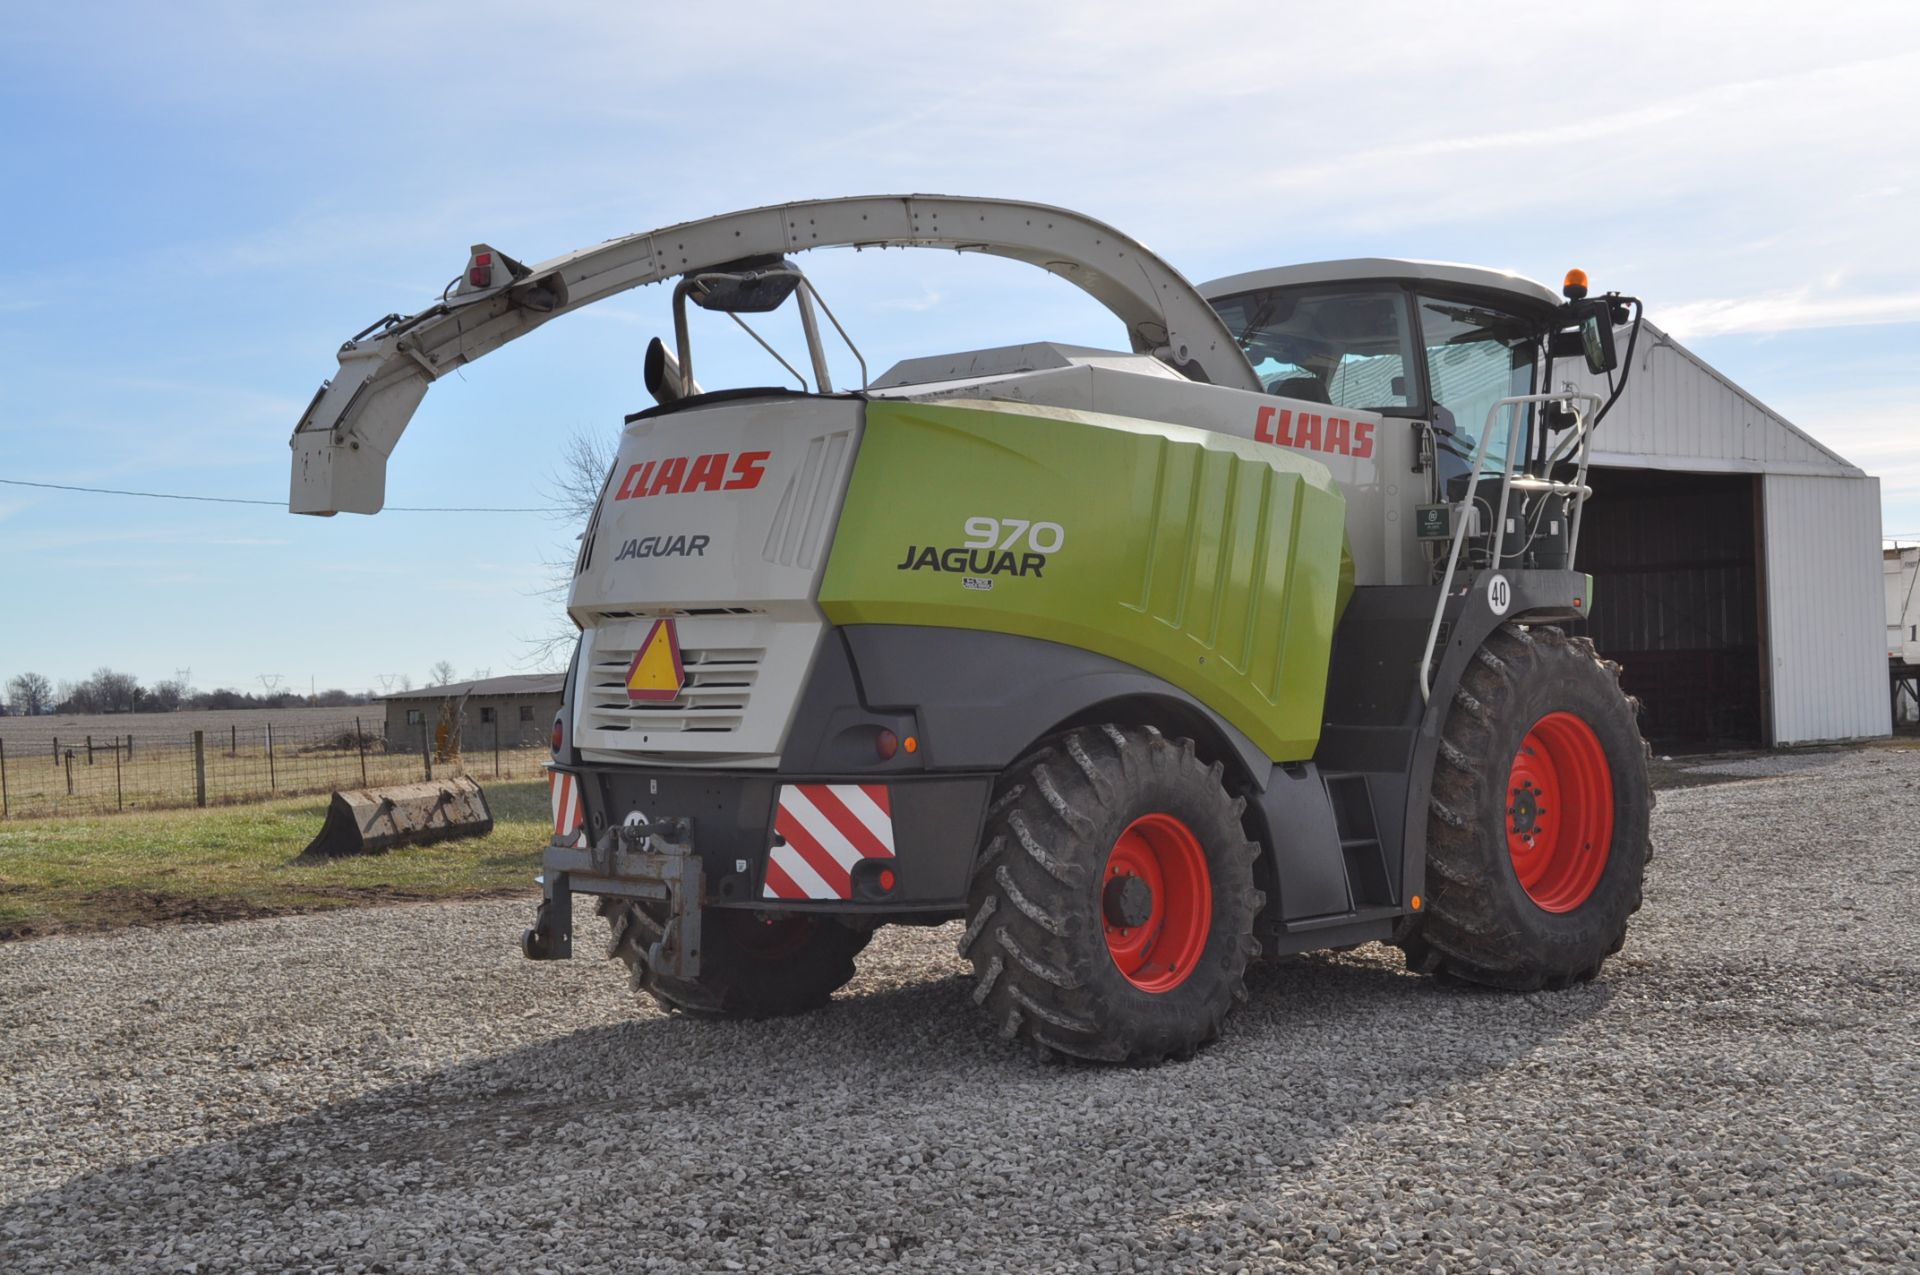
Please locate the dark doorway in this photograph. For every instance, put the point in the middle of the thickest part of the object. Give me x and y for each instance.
(1677, 601)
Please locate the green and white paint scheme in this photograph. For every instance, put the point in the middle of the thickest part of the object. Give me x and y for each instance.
(1213, 562)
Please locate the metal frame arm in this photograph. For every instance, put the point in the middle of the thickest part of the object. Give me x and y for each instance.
(342, 441)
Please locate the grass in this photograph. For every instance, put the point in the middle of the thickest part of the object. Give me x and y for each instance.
(231, 862)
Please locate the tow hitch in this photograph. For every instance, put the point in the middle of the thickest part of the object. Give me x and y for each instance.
(637, 861)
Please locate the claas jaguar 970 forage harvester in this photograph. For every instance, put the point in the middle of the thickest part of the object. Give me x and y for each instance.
(1140, 663)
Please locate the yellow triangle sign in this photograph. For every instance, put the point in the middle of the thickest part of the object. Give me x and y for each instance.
(656, 672)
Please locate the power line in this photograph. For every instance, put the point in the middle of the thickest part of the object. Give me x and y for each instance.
(278, 504)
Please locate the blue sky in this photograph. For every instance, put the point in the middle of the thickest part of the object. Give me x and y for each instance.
(202, 200)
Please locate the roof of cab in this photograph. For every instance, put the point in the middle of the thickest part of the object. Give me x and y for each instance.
(1353, 268)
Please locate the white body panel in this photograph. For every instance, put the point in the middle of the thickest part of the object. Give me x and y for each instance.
(1900, 575)
(1825, 609)
(738, 567)
(1380, 486)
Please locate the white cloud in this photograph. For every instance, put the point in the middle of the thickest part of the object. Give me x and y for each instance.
(1787, 312)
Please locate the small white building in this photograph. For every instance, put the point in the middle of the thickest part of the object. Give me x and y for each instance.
(1736, 560)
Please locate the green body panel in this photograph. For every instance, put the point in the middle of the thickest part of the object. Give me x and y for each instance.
(1214, 562)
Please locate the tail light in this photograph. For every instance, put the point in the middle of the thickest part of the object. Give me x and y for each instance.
(559, 734)
(480, 275)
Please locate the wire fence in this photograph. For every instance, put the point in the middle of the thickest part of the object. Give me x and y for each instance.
(94, 775)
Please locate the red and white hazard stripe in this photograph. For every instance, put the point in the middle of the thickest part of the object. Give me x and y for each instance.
(821, 832)
(569, 810)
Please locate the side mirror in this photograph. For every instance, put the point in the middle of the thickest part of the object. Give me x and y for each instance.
(1595, 318)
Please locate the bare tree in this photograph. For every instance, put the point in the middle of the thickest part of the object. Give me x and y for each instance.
(440, 674)
(585, 466)
(480, 674)
(30, 694)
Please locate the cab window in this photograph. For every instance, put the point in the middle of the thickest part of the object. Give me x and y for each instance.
(1475, 357)
(1346, 347)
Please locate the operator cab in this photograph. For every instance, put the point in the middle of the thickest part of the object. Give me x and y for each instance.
(1436, 344)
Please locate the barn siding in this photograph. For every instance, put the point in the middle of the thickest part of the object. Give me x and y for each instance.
(1824, 601)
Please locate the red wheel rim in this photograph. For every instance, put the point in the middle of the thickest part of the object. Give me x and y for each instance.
(1560, 812)
(1157, 952)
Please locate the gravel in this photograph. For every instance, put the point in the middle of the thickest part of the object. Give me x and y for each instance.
(396, 1090)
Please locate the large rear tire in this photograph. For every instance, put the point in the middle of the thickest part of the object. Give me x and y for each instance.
(1537, 831)
(751, 966)
(1111, 913)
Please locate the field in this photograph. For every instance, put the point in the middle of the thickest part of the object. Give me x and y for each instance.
(212, 865)
(146, 761)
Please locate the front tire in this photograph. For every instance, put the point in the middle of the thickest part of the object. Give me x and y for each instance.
(1111, 913)
(1537, 832)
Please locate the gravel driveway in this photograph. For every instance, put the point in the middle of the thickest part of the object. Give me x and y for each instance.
(396, 1090)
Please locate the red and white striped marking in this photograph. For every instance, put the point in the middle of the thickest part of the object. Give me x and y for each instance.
(569, 810)
(822, 831)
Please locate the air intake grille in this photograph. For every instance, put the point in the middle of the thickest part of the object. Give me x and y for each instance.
(720, 682)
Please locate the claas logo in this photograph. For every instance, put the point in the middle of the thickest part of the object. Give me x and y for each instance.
(715, 471)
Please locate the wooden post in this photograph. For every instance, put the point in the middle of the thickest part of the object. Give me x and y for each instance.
(5, 810)
(129, 745)
(496, 743)
(426, 753)
(69, 755)
(199, 768)
(56, 750)
(119, 795)
(360, 739)
(233, 740)
(89, 750)
(272, 779)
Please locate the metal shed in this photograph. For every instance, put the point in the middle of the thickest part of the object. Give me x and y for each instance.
(1736, 562)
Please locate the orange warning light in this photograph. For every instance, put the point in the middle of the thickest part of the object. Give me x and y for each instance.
(656, 672)
(911, 744)
(1416, 903)
(1575, 285)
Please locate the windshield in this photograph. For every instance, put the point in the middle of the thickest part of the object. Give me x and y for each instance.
(1346, 347)
(1475, 357)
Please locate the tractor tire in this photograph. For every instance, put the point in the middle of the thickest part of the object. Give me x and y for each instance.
(1112, 907)
(1537, 828)
(750, 966)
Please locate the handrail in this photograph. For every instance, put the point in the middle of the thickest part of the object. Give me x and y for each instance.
(1582, 438)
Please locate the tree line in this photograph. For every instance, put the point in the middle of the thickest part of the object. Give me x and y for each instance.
(110, 691)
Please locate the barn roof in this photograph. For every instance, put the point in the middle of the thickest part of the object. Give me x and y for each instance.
(516, 684)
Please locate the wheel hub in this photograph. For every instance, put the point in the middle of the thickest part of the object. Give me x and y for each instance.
(1526, 809)
(1127, 902)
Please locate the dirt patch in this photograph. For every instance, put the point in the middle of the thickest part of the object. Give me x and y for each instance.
(120, 909)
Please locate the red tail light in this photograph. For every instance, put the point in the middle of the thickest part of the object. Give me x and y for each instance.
(480, 275)
(558, 735)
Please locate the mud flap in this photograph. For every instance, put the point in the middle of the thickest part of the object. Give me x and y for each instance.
(373, 820)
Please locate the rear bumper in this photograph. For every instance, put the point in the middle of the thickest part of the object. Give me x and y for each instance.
(757, 839)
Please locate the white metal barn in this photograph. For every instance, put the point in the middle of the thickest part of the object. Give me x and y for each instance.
(1736, 560)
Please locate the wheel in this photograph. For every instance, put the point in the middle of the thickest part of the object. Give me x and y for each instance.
(751, 965)
(1111, 911)
(1537, 832)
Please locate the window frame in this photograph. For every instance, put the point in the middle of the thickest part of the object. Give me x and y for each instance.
(1409, 316)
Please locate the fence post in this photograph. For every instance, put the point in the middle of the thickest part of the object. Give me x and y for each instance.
(360, 740)
(119, 795)
(199, 768)
(5, 809)
(129, 745)
(496, 743)
(233, 740)
(426, 753)
(89, 750)
(272, 779)
(56, 750)
(69, 756)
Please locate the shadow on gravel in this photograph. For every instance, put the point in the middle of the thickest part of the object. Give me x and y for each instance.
(893, 1114)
